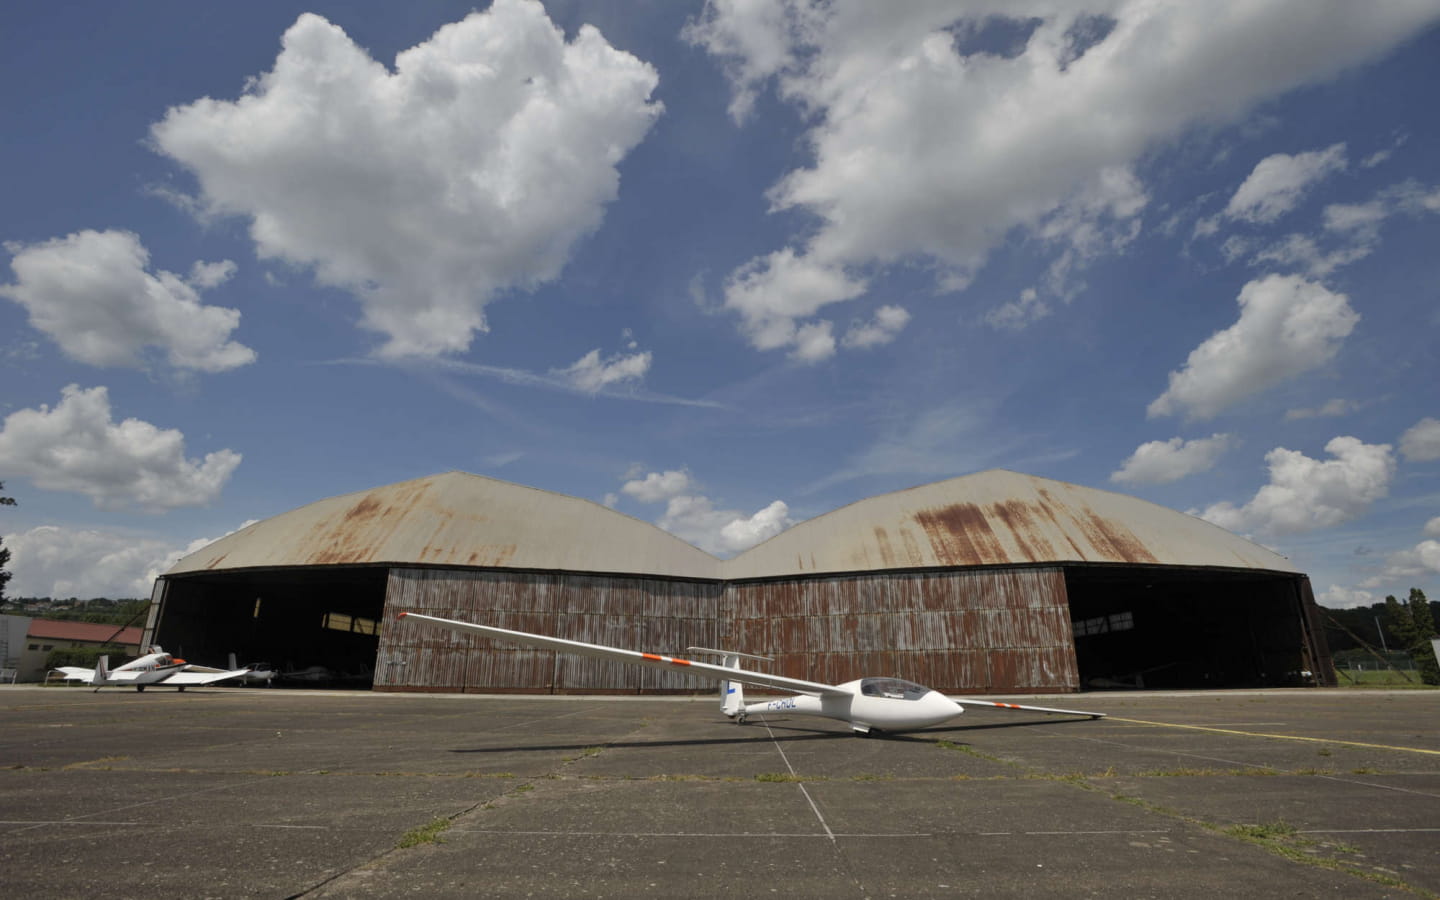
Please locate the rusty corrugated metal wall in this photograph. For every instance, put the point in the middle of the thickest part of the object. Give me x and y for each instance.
(659, 615)
(986, 630)
(957, 632)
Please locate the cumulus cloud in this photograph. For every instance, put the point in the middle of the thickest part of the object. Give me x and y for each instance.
(1421, 441)
(889, 321)
(1278, 183)
(591, 373)
(770, 293)
(1307, 494)
(1287, 326)
(473, 167)
(691, 516)
(77, 446)
(1161, 462)
(723, 532)
(56, 561)
(1337, 597)
(918, 155)
(1420, 561)
(94, 294)
(1432, 528)
(658, 486)
(814, 341)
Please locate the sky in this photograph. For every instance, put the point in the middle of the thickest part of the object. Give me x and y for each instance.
(723, 266)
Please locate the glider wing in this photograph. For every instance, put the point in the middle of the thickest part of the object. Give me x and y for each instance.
(966, 701)
(652, 660)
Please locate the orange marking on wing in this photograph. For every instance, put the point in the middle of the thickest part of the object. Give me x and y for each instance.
(652, 656)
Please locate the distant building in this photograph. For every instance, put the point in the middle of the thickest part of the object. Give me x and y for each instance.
(45, 635)
(12, 643)
(993, 582)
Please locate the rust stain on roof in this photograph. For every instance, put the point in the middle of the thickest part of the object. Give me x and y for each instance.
(960, 535)
(1113, 539)
(353, 535)
(887, 552)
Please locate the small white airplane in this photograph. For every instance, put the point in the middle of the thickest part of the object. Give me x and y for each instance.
(156, 667)
(261, 673)
(868, 705)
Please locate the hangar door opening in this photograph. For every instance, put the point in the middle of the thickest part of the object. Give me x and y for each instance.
(1187, 629)
(316, 628)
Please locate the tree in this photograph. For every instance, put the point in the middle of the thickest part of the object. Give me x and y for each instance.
(4, 554)
(1414, 625)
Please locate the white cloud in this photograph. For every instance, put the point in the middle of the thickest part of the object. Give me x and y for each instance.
(1306, 494)
(772, 292)
(92, 292)
(814, 342)
(742, 533)
(1421, 441)
(1336, 597)
(475, 166)
(1432, 528)
(54, 561)
(78, 447)
(658, 486)
(1278, 182)
(1298, 251)
(1420, 561)
(591, 373)
(889, 321)
(1331, 409)
(692, 517)
(723, 532)
(1287, 326)
(917, 150)
(1017, 314)
(1161, 462)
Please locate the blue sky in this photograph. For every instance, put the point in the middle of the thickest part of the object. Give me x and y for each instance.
(724, 267)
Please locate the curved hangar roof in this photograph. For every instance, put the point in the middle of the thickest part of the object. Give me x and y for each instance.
(987, 519)
(999, 518)
(456, 519)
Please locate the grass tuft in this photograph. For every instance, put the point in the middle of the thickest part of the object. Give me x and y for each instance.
(428, 833)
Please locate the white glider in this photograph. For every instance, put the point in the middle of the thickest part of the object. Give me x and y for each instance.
(866, 704)
(156, 667)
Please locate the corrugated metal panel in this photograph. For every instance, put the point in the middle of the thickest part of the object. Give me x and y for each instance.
(997, 630)
(456, 519)
(998, 518)
(607, 610)
(993, 630)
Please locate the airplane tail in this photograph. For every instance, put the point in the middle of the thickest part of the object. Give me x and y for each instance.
(233, 664)
(102, 671)
(732, 693)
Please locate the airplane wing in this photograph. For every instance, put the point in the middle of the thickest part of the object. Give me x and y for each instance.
(200, 675)
(634, 657)
(966, 701)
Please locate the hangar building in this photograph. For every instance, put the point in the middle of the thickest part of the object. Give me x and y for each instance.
(992, 582)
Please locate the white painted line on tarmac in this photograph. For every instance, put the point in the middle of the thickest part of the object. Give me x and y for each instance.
(800, 784)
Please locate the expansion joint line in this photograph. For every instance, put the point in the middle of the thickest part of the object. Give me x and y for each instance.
(1281, 737)
(800, 784)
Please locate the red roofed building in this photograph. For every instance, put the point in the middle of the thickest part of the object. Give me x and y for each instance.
(46, 635)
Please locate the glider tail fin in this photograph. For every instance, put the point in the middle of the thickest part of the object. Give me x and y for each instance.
(102, 671)
(732, 693)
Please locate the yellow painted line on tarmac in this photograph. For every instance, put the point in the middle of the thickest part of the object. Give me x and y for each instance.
(1282, 737)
